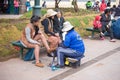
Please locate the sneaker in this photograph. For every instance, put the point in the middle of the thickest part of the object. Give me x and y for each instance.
(39, 65)
(49, 55)
(59, 66)
(102, 38)
(112, 40)
(72, 60)
(102, 34)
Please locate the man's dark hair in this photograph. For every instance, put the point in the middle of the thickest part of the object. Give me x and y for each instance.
(34, 18)
(107, 11)
(114, 6)
(119, 5)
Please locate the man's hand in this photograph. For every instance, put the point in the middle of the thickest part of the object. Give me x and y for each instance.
(108, 26)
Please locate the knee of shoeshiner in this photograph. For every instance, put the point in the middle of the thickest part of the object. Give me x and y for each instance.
(58, 49)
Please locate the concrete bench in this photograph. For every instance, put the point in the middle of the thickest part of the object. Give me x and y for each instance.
(92, 30)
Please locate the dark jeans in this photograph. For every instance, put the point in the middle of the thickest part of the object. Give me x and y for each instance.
(16, 10)
(66, 52)
(100, 30)
(109, 30)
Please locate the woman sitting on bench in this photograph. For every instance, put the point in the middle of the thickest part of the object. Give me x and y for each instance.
(31, 36)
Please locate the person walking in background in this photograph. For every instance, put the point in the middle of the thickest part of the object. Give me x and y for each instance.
(103, 6)
(16, 6)
(106, 23)
(44, 4)
(28, 6)
(109, 3)
(5, 6)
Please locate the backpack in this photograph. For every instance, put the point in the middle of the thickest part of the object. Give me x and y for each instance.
(29, 55)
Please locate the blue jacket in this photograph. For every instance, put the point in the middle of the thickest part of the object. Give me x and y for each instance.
(74, 41)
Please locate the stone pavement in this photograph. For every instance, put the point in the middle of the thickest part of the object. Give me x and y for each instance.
(104, 67)
(10, 16)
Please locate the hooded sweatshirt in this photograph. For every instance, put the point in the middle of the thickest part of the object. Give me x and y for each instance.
(96, 22)
(103, 6)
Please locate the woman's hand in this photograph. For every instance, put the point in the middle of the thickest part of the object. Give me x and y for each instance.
(57, 34)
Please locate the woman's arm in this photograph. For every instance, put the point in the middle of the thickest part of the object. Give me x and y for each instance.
(28, 36)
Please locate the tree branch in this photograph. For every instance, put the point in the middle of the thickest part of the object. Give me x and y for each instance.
(58, 1)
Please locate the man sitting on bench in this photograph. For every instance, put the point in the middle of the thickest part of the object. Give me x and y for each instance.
(72, 45)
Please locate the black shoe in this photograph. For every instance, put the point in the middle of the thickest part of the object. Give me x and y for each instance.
(59, 66)
(49, 55)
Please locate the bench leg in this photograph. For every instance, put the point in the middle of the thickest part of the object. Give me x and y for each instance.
(92, 34)
(21, 53)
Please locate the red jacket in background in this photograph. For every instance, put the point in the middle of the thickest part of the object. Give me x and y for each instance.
(103, 6)
(96, 22)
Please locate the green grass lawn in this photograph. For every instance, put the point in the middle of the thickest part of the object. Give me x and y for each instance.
(29, 14)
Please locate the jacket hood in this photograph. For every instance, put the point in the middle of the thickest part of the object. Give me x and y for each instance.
(97, 18)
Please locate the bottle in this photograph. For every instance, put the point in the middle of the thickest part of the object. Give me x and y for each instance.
(53, 68)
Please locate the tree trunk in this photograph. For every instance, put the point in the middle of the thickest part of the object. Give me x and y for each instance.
(56, 4)
(75, 5)
(22, 8)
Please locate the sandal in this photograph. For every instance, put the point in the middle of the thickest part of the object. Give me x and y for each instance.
(39, 65)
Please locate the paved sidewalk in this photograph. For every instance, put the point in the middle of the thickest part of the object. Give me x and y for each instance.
(10, 16)
(104, 69)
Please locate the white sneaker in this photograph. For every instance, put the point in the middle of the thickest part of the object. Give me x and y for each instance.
(112, 40)
(102, 34)
(72, 60)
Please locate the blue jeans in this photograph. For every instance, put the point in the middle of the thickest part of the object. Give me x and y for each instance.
(16, 10)
(66, 52)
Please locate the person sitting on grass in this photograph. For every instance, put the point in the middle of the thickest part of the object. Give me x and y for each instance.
(97, 25)
(89, 5)
(72, 45)
(31, 36)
